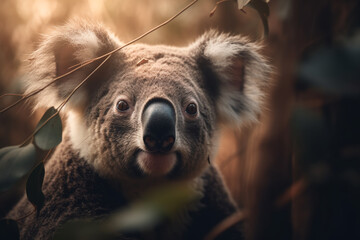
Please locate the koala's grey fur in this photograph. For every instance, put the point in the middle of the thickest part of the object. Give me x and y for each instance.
(96, 168)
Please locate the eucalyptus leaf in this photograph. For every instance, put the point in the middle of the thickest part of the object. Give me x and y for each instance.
(334, 69)
(312, 141)
(15, 163)
(141, 216)
(49, 135)
(242, 3)
(158, 205)
(34, 185)
(9, 229)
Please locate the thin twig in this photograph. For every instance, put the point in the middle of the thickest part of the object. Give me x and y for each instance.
(12, 105)
(107, 55)
(38, 129)
(30, 213)
(39, 90)
(58, 109)
(81, 83)
(216, 6)
(11, 94)
(225, 224)
(297, 188)
(81, 65)
(47, 155)
(138, 38)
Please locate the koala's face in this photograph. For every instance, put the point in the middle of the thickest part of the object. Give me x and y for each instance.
(150, 111)
(154, 120)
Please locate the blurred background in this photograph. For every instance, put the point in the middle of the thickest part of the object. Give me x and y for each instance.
(296, 173)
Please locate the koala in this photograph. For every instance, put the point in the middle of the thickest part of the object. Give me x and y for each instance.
(147, 117)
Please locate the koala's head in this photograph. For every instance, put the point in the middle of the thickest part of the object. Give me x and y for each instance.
(149, 111)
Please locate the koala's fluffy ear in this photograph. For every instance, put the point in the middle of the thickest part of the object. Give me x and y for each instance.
(234, 74)
(66, 46)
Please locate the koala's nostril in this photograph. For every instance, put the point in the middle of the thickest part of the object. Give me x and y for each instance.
(168, 142)
(162, 145)
(159, 126)
(149, 142)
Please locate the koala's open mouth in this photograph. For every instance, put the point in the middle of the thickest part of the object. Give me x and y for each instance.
(156, 164)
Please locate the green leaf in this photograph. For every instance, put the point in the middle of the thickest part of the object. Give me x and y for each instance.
(34, 185)
(9, 229)
(49, 135)
(242, 3)
(159, 205)
(334, 69)
(312, 141)
(85, 229)
(15, 163)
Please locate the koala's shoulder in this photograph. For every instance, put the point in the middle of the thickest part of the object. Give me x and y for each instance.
(72, 190)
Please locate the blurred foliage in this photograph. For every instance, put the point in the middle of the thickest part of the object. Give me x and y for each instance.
(334, 69)
(25, 27)
(328, 139)
(310, 134)
(23, 22)
(16, 161)
(9, 229)
(140, 217)
(311, 137)
(327, 130)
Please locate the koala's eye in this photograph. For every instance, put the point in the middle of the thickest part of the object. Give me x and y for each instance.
(191, 109)
(122, 105)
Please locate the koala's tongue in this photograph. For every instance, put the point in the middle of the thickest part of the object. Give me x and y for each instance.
(156, 164)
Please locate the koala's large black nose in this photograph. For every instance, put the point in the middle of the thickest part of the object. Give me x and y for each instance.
(159, 126)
